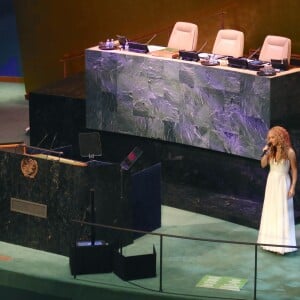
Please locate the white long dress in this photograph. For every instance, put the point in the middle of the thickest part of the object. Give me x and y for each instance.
(277, 225)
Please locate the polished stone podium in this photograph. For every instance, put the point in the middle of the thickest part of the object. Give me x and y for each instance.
(42, 192)
(217, 108)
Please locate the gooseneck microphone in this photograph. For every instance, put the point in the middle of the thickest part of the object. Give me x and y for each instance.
(151, 39)
(254, 52)
(52, 142)
(202, 47)
(266, 150)
(42, 140)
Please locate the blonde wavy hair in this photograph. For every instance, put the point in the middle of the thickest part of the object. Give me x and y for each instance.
(284, 143)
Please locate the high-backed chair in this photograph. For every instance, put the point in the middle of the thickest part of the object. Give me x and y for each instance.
(184, 36)
(275, 47)
(229, 42)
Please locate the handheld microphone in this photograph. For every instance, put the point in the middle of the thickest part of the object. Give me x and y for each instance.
(266, 150)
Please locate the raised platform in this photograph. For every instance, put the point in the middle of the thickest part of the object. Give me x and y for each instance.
(200, 180)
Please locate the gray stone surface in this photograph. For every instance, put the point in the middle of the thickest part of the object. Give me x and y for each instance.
(177, 101)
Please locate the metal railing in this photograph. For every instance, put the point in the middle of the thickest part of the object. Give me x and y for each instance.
(162, 236)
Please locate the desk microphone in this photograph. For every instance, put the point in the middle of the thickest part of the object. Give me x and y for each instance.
(42, 140)
(53, 140)
(154, 36)
(202, 47)
(255, 51)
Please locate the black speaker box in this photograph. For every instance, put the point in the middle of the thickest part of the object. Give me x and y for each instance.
(281, 64)
(134, 267)
(90, 259)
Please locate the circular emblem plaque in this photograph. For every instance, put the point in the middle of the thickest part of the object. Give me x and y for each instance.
(29, 167)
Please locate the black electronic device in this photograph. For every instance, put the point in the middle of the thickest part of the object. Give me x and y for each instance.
(86, 258)
(240, 62)
(131, 158)
(281, 64)
(90, 144)
(138, 47)
(269, 71)
(189, 55)
(122, 40)
(134, 267)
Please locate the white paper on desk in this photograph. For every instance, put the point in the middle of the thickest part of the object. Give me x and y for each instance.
(155, 48)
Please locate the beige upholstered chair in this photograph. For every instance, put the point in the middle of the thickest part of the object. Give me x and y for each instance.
(275, 47)
(229, 42)
(184, 36)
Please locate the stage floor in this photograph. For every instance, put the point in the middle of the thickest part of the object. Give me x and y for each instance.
(26, 271)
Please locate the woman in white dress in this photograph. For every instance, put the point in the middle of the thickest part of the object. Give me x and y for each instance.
(277, 225)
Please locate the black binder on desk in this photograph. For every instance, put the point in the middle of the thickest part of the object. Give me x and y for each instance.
(189, 55)
(240, 62)
(138, 47)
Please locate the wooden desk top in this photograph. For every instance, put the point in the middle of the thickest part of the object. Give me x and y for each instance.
(158, 52)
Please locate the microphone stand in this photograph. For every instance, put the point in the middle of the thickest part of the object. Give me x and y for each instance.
(92, 200)
(119, 243)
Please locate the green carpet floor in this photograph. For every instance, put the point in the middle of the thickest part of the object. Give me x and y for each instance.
(185, 263)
